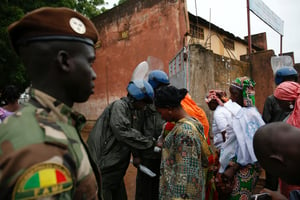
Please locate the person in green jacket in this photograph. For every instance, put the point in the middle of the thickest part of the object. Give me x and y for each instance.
(117, 134)
(147, 187)
(42, 155)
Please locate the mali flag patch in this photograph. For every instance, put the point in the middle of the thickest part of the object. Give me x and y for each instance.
(42, 180)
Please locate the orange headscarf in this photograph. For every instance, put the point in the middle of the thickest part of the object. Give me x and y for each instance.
(290, 91)
(191, 108)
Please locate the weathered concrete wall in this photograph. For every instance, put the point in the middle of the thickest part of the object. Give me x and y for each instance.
(297, 67)
(262, 74)
(259, 40)
(207, 70)
(129, 34)
(211, 71)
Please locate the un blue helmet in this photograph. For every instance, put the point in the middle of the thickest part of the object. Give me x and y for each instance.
(284, 72)
(157, 78)
(140, 90)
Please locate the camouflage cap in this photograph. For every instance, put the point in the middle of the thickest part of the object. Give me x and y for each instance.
(45, 24)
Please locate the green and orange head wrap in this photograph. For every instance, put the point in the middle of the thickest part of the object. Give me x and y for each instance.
(247, 86)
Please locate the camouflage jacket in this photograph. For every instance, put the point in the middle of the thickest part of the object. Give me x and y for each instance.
(42, 153)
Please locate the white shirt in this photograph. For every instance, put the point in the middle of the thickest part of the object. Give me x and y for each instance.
(222, 120)
(245, 122)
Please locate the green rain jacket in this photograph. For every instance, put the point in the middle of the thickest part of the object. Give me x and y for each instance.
(115, 134)
(272, 111)
(43, 155)
(153, 124)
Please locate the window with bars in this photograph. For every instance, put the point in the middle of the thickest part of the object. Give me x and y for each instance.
(228, 43)
(197, 32)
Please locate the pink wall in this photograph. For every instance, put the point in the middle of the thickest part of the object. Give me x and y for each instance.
(150, 28)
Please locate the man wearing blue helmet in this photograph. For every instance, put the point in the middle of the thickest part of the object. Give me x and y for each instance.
(147, 188)
(158, 78)
(273, 113)
(116, 134)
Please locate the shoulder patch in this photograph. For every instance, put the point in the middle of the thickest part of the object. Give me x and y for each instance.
(41, 180)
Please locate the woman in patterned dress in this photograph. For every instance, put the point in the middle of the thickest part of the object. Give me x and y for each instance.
(185, 150)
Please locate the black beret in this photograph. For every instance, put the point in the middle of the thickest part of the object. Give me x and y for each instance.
(169, 96)
(52, 24)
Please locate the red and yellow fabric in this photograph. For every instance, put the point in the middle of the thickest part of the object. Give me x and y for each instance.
(45, 178)
(168, 126)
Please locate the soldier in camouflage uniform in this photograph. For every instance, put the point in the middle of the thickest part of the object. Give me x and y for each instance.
(42, 154)
(116, 135)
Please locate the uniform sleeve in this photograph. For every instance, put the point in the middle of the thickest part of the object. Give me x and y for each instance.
(121, 122)
(43, 170)
(19, 168)
(33, 165)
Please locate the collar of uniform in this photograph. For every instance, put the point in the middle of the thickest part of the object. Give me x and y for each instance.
(129, 102)
(57, 110)
(152, 107)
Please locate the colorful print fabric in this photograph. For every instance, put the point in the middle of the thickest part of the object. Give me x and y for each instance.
(182, 171)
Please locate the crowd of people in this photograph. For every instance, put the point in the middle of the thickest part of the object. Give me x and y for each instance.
(9, 98)
(157, 126)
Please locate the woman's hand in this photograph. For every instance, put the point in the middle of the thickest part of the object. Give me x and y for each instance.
(160, 141)
(136, 162)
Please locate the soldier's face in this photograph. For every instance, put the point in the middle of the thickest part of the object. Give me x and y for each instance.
(82, 73)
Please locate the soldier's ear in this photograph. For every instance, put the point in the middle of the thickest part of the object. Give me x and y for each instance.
(63, 59)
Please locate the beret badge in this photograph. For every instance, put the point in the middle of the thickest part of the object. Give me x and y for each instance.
(77, 25)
